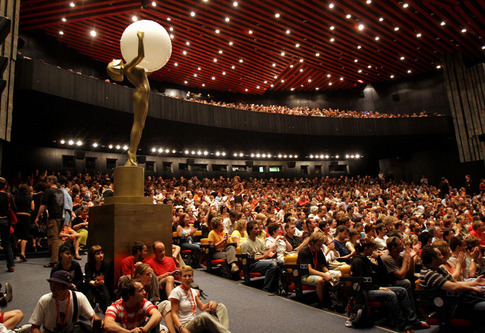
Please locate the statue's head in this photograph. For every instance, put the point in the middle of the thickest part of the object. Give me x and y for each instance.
(115, 70)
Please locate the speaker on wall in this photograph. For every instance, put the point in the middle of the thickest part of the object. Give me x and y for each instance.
(249, 163)
(79, 154)
(142, 159)
(190, 161)
(291, 164)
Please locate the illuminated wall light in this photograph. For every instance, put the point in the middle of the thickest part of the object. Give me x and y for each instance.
(357, 156)
(206, 153)
(199, 153)
(192, 152)
(235, 154)
(263, 156)
(62, 142)
(118, 147)
(174, 151)
(167, 151)
(110, 146)
(269, 155)
(125, 147)
(326, 156)
(352, 156)
(218, 153)
(186, 152)
(291, 156)
(252, 155)
(311, 156)
(223, 154)
(321, 156)
(285, 156)
(337, 156)
(347, 156)
(95, 145)
(241, 154)
(280, 156)
(154, 150)
(258, 155)
(79, 143)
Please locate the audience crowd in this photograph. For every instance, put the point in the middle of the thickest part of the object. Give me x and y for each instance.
(395, 231)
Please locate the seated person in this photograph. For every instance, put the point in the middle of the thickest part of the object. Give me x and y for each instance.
(455, 269)
(163, 267)
(80, 225)
(220, 239)
(186, 233)
(278, 241)
(138, 254)
(400, 268)
(313, 256)
(66, 263)
(341, 237)
(11, 319)
(434, 277)
(403, 315)
(294, 240)
(98, 278)
(264, 261)
(240, 233)
(54, 311)
(184, 301)
(67, 233)
(144, 274)
(132, 313)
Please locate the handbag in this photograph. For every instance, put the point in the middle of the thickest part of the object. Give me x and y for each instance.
(11, 214)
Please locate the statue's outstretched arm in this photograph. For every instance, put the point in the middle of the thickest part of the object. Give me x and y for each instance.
(141, 52)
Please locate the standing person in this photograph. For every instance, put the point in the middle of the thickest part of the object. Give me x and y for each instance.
(138, 77)
(53, 201)
(185, 300)
(41, 225)
(67, 209)
(25, 206)
(5, 202)
(54, 311)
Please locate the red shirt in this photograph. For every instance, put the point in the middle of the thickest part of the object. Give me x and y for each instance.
(128, 266)
(480, 235)
(166, 266)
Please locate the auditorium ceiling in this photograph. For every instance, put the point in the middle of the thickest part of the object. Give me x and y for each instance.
(263, 46)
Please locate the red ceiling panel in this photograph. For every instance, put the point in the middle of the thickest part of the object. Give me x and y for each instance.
(326, 64)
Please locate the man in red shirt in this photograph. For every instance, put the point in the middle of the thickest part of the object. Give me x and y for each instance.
(139, 252)
(163, 267)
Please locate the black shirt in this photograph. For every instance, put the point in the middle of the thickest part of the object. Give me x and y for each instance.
(315, 258)
(53, 199)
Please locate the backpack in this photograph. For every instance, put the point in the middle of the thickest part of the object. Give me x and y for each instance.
(359, 314)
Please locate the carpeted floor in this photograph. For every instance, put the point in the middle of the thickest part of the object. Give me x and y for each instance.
(250, 309)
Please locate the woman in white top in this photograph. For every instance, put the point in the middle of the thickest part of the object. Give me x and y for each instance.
(278, 241)
(185, 301)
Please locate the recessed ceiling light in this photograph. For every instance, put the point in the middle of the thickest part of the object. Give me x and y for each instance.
(195, 75)
(203, 84)
(331, 5)
(330, 83)
(134, 19)
(154, 4)
(213, 78)
(215, 59)
(175, 64)
(265, 82)
(223, 73)
(277, 15)
(438, 67)
(292, 89)
(297, 45)
(169, 19)
(348, 16)
(356, 60)
(359, 47)
(396, 28)
(282, 81)
(233, 67)
(309, 80)
(463, 30)
(274, 65)
(231, 43)
(410, 71)
(198, 68)
(329, 75)
(93, 33)
(402, 58)
(192, 13)
(72, 4)
(185, 82)
(250, 32)
(218, 31)
(361, 27)
(301, 60)
(301, 70)
(171, 28)
(184, 52)
(368, 2)
(341, 79)
(227, 19)
(246, 89)
(359, 71)
(418, 35)
(332, 40)
(405, 5)
(61, 32)
(370, 66)
(392, 76)
(241, 61)
(172, 36)
(288, 32)
(332, 27)
(235, 3)
(187, 43)
(377, 38)
(443, 23)
(257, 87)
(221, 52)
(282, 54)
(63, 19)
(317, 54)
(381, 19)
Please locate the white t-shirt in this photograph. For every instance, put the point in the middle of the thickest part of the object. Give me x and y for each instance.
(45, 312)
(185, 305)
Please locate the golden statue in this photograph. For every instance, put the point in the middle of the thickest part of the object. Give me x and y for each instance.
(138, 77)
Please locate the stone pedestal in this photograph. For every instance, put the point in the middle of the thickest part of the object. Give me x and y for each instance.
(128, 217)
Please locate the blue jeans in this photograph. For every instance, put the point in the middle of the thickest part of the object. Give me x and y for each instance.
(7, 246)
(268, 267)
(398, 304)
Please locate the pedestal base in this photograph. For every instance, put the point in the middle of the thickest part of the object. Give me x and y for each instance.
(116, 226)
